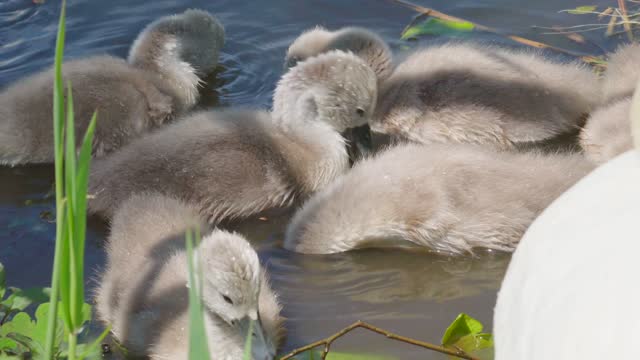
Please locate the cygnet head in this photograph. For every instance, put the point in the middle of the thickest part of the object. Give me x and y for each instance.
(362, 42)
(182, 48)
(336, 88)
(310, 43)
(231, 287)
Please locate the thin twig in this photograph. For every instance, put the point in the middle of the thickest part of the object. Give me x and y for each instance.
(519, 39)
(570, 27)
(565, 32)
(363, 325)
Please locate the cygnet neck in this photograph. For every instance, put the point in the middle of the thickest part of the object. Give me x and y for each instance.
(316, 152)
(159, 54)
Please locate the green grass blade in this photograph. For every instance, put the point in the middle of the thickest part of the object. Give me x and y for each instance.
(65, 267)
(93, 347)
(69, 298)
(84, 162)
(70, 151)
(58, 115)
(196, 242)
(247, 343)
(198, 346)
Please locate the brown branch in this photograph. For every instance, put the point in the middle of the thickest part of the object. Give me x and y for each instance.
(363, 325)
(625, 17)
(516, 38)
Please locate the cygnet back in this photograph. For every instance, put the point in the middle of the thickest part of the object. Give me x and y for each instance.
(468, 93)
(445, 197)
(167, 63)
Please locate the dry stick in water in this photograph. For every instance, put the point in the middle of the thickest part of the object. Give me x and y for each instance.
(519, 39)
(611, 26)
(363, 325)
(625, 17)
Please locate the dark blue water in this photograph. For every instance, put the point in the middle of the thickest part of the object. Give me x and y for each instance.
(413, 294)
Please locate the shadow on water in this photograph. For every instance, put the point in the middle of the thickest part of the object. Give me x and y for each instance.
(415, 294)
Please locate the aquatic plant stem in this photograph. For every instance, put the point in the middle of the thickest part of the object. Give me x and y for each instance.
(58, 116)
(442, 16)
(363, 325)
(625, 17)
(73, 341)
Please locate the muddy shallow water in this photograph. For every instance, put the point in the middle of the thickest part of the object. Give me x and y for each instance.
(415, 294)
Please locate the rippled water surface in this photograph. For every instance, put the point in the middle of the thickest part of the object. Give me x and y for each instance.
(415, 294)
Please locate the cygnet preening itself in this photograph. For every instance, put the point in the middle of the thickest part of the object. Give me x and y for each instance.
(450, 198)
(363, 43)
(607, 133)
(160, 81)
(233, 164)
(143, 293)
(486, 95)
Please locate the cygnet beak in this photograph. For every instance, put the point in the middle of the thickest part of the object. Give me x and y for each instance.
(359, 142)
(291, 62)
(261, 346)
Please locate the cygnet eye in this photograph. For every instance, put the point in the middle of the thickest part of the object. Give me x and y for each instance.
(360, 112)
(227, 299)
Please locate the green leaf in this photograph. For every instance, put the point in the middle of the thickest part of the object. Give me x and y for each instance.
(24, 298)
(21, 324)
(463, 325)
(86, 313)
(479, 345)
(473, 342)
(247, 343)
(433, 26)
(7, 303)
(3, 281)
(57, 276)
(42, 319)
(9, 357)
(465, 333)
(65, 266)
(80, 208)
(585, 9)
(69, 295)
(7, 344)
(33, 347)
(198, 345)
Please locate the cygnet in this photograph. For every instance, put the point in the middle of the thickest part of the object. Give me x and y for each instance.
(143, 292)
(466, 93)
(233, 164)
(362, 42)
(446, 197)
(160, 81)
